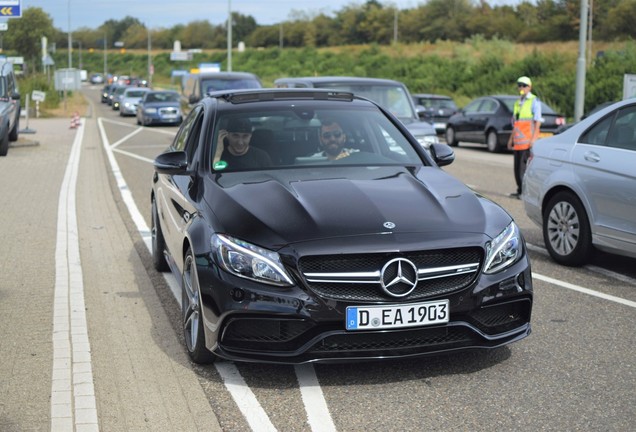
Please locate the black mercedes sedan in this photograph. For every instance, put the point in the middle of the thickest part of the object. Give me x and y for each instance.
(488, 120)
(308, 225)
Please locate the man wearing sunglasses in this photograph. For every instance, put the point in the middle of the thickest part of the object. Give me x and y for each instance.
(333, 139)
(526, 126)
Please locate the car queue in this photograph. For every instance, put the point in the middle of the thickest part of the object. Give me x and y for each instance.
(574, 226)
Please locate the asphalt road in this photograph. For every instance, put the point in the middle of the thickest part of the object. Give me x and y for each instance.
(575, 372)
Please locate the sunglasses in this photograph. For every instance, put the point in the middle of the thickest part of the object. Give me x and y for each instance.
(329, 135)
(522, 85)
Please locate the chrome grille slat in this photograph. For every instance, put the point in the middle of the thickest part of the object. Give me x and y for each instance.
(438, 272)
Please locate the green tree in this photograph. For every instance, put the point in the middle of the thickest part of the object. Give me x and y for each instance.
(23, 40)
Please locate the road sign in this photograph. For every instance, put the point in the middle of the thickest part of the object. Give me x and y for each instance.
(38, 96)
(10, 9)
(4, 26)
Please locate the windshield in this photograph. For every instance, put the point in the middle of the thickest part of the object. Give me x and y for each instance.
(393, 98)
(162, 97)
(135, 93)
(215, 84)
(301, 136)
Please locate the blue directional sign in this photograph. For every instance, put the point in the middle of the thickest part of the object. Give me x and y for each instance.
(10, 9)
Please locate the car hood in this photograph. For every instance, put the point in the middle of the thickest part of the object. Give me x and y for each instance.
(277, 208)
(417, 127)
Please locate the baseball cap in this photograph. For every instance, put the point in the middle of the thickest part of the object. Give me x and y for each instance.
(239, 125)
(524, 80)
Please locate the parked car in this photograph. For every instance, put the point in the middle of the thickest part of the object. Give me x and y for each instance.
(159, 107)
(391, 95)
(435, 109)
(580, 186)
(117, 94)
(488, 120)
(197, 85)
(129, 100)
(370, 256)
(9, 107)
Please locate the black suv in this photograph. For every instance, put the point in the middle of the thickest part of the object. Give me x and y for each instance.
(9, 107)
(198, 85)
(389, 94)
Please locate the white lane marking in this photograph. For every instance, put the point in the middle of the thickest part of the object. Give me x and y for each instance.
(584, 290)
(244, 397)
(592, 268)
(73, 405)
(133, 155)
(318, 414)
(139, 127)
(241, 393)
(126, 138)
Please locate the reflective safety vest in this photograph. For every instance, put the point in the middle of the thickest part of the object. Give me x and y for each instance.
(524, 123)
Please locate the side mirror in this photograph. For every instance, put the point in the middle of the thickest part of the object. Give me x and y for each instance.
(442, 154)
(15, 96)
(173, 163)
(192, 99)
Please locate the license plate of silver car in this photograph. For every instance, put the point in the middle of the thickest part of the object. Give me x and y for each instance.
(397, 316)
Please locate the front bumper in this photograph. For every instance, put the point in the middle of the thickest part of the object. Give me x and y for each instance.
(246, 321)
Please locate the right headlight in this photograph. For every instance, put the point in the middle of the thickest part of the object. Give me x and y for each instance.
(504, 250)
(150, 110)
(249, 261)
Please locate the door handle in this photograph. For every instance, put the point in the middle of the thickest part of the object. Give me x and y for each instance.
(591, 157)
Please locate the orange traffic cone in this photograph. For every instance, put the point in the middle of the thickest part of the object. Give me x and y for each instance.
(75, 120)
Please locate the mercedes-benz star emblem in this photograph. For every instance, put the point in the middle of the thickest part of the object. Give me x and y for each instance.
(399, 277)
(388, 225)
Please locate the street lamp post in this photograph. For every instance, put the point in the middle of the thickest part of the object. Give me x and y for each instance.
(105, 59)
(150, 68)
(70, 39)
(229, 35)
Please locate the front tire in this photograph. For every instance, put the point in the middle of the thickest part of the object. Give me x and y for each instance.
(158, 242)
(13, 134)
(566, 230)
(4, 144)
(191, 312)
(451, 139)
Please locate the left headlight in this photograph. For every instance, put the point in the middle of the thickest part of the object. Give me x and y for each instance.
(249, 261)
(504, 250)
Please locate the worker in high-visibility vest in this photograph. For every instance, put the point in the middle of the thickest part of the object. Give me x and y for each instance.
(526, 123)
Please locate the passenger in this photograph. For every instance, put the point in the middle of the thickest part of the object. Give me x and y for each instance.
(332, 140)
(236, 152)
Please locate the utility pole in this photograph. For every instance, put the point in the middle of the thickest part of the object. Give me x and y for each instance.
(579, 96)
(150, 68)
(229, 35)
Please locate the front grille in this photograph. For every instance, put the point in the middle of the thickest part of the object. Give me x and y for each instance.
(357, 277)
(167, 111)
(408, 340)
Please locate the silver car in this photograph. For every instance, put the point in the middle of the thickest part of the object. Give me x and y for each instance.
(580, 186)
(130, 99)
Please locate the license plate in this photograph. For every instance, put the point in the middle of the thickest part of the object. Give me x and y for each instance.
(170, 116)
(439, 125)
(397, 316)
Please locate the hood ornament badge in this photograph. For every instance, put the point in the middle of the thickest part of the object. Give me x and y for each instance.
(388, 225)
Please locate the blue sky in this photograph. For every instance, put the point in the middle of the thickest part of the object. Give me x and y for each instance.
(164, 13)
